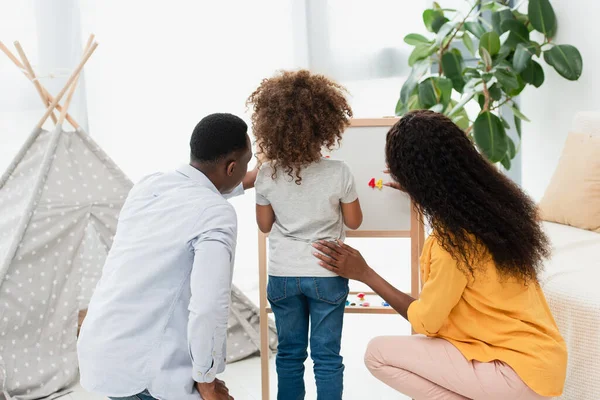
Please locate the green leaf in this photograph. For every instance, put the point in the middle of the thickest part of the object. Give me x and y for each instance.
(413, 102)
(518, 125)
(414, 39)
(452, 66)
(495, 92)
(445, 87)
(438, 23)
(481, 100)
(501, 56)
(429, 16)
(505, 123)
(533, 74)
(470, 73)
(491, 42)
(428, 93)
(512, 149)
(518, 32)
(492, 6)
(566, 60)
(468, 42)
(459, 114)
(524, 19)
(415, 76)
(485, 57)
(490, 136)
(443, 32)
(542, 17)
(522, 57)
(499, 17)
(420, 52)
(462, 121)
(507, 79)
(475, 28)
(519, 89)
(401, 108)
(518, 113)
(506, 162)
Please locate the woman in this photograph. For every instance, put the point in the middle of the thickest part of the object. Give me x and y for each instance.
(486, 330)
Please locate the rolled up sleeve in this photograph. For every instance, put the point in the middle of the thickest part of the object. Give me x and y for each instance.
(440, 294)
(214, 250)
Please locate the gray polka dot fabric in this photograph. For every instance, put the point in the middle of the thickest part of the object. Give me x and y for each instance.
(243, 334)
(59, 202)
(59, 205)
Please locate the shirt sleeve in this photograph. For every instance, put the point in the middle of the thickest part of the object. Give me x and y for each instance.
(238, 191)
(440, 294)
(214, 250)
(260, 185)
(349, 194)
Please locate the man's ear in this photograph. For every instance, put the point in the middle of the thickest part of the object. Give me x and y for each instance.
(231, 168)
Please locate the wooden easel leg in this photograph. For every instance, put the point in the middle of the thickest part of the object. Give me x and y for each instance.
(264, 321)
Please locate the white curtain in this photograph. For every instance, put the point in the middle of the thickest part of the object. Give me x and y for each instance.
(160, 67)
(20, 106)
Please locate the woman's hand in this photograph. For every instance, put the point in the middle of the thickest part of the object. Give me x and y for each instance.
(392, 184)
(342, 259)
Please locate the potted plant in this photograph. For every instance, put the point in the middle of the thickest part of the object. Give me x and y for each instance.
(507, 59)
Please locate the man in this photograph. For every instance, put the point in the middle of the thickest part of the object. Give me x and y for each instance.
(157, 324)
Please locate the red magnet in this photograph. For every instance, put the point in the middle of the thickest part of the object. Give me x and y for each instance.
(372, 183)
(360, 296)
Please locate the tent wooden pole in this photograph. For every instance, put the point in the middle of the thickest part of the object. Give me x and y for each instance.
(63, 113)
(73, 76)
(50, 98)
(36, 83)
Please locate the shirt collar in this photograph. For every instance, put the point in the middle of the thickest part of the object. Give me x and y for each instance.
(197, 176)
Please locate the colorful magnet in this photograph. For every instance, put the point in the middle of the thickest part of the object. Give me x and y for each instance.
(372, 183)
(379, 184)
(366, 304)
(385, 304)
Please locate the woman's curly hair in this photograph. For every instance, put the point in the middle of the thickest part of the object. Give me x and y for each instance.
(465, 198)
(296, 115)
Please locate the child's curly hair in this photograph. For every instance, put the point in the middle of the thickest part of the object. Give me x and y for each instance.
(296, 115)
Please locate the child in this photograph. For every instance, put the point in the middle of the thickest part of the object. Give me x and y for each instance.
(302, 197)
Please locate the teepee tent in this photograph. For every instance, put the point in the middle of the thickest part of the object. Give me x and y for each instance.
(59, 204)
(60, 200)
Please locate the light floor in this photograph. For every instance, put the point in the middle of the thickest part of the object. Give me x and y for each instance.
(243, 378)
(391, 258)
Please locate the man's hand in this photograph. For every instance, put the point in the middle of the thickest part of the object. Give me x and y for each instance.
(215, 390)
(250, 178)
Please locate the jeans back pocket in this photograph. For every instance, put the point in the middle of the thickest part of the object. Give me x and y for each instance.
(332, 290)
(276, 288)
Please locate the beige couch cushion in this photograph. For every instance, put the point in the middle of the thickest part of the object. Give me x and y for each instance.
(573, 196)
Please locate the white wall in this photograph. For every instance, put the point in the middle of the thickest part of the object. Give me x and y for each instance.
(551, 107)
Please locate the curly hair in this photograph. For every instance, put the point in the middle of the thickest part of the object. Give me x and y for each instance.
(296, 115)
(474, 209)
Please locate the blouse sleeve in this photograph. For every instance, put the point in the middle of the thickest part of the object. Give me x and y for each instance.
(440, 293)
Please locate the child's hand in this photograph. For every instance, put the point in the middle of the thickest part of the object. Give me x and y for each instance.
(250, 178)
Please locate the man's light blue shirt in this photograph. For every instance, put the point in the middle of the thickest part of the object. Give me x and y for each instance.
(158, 317)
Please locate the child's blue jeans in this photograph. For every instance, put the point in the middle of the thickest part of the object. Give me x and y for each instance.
(295, 303)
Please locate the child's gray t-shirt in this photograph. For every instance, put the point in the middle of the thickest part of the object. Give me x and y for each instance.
(304, 213)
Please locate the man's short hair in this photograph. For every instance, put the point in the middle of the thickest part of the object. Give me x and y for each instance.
(216, 136)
